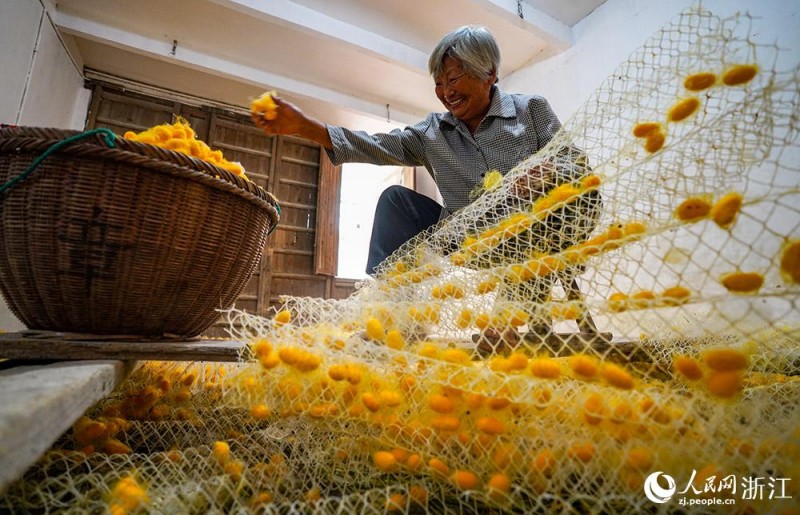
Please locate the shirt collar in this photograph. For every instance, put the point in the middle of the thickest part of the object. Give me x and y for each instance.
(502, 106)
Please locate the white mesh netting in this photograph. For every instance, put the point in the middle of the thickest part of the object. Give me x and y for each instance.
(621, 303)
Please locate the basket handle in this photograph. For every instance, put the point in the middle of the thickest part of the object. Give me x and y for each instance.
(108, 137)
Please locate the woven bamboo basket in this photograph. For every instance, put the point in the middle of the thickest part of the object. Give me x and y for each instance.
(131, 240)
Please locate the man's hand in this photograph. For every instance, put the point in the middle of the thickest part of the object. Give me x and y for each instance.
(291, 120)
(536, 182)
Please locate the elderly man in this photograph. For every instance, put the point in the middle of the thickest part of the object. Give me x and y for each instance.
(483, 129)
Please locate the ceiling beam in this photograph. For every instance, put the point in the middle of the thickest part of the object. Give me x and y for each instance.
(539, 23)
(310, 21)
(163, 50)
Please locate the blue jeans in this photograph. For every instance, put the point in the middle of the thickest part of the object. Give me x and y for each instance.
(401, 214)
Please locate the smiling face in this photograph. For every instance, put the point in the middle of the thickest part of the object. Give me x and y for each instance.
(467, 98)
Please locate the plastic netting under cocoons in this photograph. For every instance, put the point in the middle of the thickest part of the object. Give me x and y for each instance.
(622, 304)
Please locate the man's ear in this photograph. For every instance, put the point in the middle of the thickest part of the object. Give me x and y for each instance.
(493, 79)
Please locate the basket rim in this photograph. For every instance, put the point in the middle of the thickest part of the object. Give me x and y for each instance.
(17, 140)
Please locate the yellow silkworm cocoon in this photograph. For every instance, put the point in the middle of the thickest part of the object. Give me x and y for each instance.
(498, 403)
(543, 205)
(545, 368)
(390, 398)
(414, 463)
(490, 426)
(643, 129)
(466, 480)
(564, 193)
(418, 494)
(790, 262)
(431, 313)
(654, 141)
(447, 291)
(617, 376)
(742, 282)
(584, 366)
(401, 455)
(437, 466)
(338, 372)
(634, 229)
(724, 211)
(699, 81)
(594, 409)
(127, 496)
(643, 298)
(384, 461)
(283, 317)
(86, 430)
(221, 451)
(445, 423)
(261, 498)
(618, 302)
(584, 451)
(565, 311)
(395, 502)
(371, 401)
(482, 321)
(590, 182)
(375, 330)
(464, 318)
(739, 74)
(261, 347)
(683, 109)
(545, 462)
(675, 295)
(265, 105)
(724, 384)
(394, 340)
(458, 258)
(693, 209)
(260, 411)
(456, 356)
(640, 458)
(492, 180)
(428, 350)
(441, 404)
(498, 486)
(517, 361)
(114, 446)
(725, 360)
(688, 367)
(518, 317)
(486, 286)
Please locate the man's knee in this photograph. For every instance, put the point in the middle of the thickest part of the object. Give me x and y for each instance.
(393, 195)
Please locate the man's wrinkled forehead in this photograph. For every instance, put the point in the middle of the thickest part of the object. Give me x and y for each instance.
(451, 67)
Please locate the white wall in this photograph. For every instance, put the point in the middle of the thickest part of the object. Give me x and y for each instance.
(609, 35)
(39, 84)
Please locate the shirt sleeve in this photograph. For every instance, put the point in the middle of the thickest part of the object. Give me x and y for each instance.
(404, 147)
(545, 121)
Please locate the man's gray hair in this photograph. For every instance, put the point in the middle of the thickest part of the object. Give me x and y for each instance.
(473, 45)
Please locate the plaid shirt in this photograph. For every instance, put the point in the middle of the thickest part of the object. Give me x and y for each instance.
(515, 127)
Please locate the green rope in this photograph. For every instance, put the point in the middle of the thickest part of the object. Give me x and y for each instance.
(108, 136)
(278, 209)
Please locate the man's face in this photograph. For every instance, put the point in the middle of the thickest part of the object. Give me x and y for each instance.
(467, 98)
